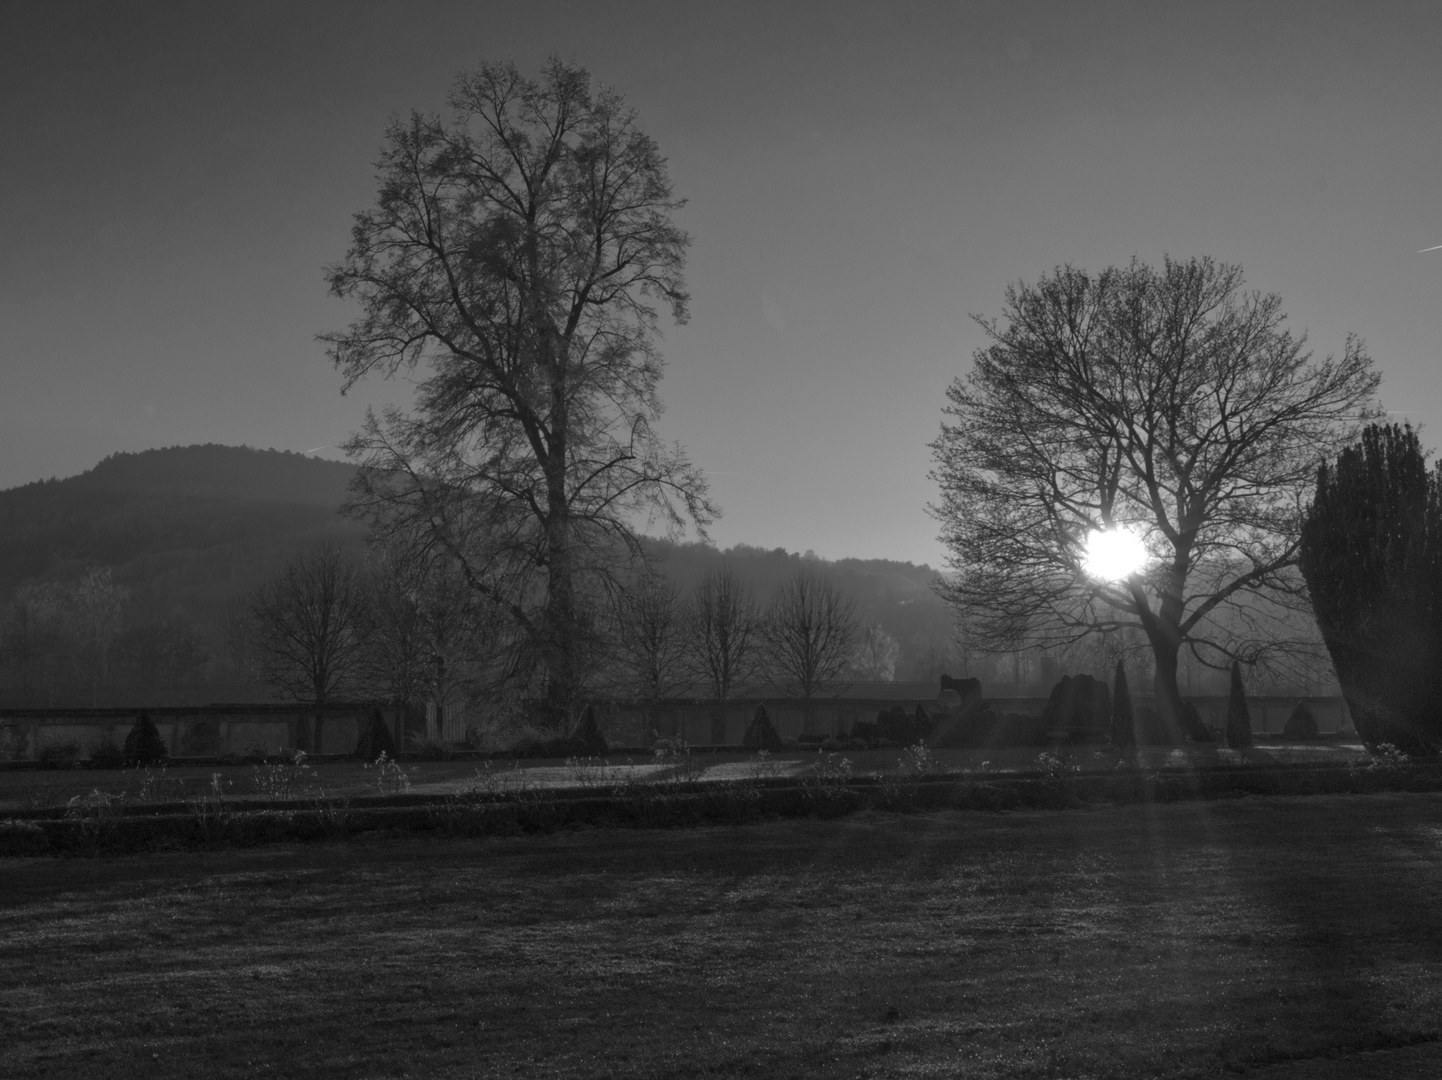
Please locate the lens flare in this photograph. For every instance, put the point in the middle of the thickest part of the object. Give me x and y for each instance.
(1114, 554)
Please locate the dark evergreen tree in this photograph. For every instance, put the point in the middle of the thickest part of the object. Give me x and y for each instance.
(1239, 719)
(1124, 730)
(1301, 724)
(375, 739)
(1371, 554)
(761, 733)
(144, 746)
(589, 734)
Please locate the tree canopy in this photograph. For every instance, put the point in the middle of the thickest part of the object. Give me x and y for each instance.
(1167, 401)
(518, 249)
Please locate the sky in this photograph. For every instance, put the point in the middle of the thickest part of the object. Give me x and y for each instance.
(862, 179)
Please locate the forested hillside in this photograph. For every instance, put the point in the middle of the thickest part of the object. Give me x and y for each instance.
(156, 552)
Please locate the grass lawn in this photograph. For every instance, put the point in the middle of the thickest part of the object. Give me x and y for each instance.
(1187, 939)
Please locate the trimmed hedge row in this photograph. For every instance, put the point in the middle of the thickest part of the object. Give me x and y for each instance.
(100, 830)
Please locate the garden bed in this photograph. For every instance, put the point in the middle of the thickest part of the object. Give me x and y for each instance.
(100, 823)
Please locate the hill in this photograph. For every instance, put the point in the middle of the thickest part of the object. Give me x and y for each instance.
(187, 532)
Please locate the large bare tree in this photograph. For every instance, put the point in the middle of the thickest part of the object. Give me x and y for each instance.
(310, 621)
(517, 249)
(1170, 402)
(725, 636)
(810, 624)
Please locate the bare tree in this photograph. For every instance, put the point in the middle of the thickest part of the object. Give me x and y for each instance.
(652, 620)
(809, 628)
(1168, 402)
(726, 630)
(310, 624)
(427, 635)
(517, 249)
(875, 654)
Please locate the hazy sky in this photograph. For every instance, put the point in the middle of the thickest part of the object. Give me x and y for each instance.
(862, 178)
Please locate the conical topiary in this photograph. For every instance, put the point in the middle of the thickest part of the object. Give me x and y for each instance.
(589, 732)
(922, 724)
(376, 739)
(1239, 720)
(1301, 724)
(761, 733)
(1124, 730)
(144, 746)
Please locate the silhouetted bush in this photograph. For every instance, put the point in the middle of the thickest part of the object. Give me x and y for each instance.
(1371, 555)
(1192, 724)
(59, 755)
(1239, 718)
(1123, 726)
(144, 746)
(375, 739)
(761, 733)
(589, 734)
(106, 755)
(1301, 724)
(865, 730)
(1080, 706)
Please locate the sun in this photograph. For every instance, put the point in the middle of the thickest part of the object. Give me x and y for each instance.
(1114, 554)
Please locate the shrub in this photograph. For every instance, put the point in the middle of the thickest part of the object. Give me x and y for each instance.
(1124, 731)
(1080, 706)
(761, 732)
(1301, 724)
(1192, 724)
(1372, 561)
(106, 755)
(59, 755)
(1239, 719)
(429, 749)
(144, 746)
(922, 724)
(23, 838)
(375, 739)
(589, 734)
(865, 731)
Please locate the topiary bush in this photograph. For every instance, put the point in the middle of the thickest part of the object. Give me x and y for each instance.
(1371, 557)
(761, 733)
(144, 746)
(1239, 719)
(106, 755)
(1192, 724)
(1301, 724)
(375, 739)
(1123, 726)
(589, 734)
(59, 755)
(865, 731)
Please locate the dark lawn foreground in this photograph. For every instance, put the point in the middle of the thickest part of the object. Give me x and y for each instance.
(1177, 940)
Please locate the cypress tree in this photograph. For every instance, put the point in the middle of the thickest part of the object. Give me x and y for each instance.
(1124, 731)
(144, 746)
(1371, 555)
(761, 733)
(589, 734)
(375, 739)
(1239, 719)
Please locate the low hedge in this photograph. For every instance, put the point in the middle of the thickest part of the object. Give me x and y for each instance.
(110, 829)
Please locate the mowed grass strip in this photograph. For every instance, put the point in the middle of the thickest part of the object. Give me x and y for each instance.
(1173, 941)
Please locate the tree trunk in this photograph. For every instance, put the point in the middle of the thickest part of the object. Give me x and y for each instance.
(1168, 697)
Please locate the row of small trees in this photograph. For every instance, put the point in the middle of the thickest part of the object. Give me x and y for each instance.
(328, 626)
